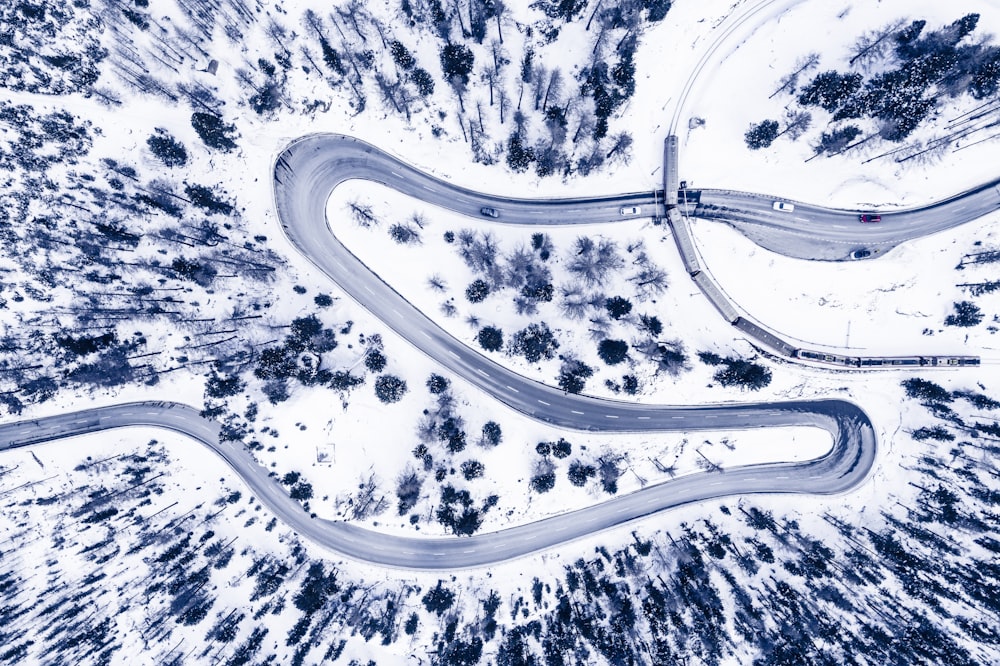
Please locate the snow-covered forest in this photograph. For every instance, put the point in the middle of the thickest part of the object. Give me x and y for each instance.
(142, 259)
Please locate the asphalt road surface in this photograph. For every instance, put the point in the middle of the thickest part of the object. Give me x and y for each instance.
(306, 173)
(316, 161)
(815, 232)
(845, 466)
(810, 231)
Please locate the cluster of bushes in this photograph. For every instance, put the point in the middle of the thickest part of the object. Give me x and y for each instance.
(906, 72)
(739, 372)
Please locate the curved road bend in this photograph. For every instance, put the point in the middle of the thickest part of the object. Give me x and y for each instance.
(305, 175)
(845, 466)
(317, 161)
(816, 232)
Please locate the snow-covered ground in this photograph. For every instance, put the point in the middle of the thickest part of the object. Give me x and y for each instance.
(776, 44)
(895, 304)
(733, 91)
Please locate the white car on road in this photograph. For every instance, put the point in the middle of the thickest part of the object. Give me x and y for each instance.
(783, 206)
(630, 210)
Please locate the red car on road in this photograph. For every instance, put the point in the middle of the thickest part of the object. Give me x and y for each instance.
(870, 218)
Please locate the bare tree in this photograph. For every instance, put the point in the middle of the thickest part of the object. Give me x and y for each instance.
(597, 8)
(457, 14)
(459, 87)
(437, 283)
(501, 10)
(352, 13)
(871, 47)
(600, 328)
(798, 123)
(593, 262)
(405, 233)
(621, 148)
(789, 81)
(585, 124)
(381, 29)
(390, 93)
(668, 355)
(478, 138)
(500, 58)
(574, 303)
(924, 153)
(503, 101)
(553, 88)
(362, 214)
(368, 501)
(279, 36)
(539, 82)
(650, 280)
(489, 76)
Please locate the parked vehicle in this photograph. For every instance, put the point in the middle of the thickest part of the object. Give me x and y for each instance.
(630, 210)
(861, 254)
(489, 212)
(783, 206)
(870, 218)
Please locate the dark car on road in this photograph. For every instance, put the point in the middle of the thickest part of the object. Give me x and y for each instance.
(489, 212)
(870, 218)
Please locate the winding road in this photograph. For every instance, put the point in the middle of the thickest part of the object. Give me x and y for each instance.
(306, 173)
(812, 232)
(311, 168)
(842, 468)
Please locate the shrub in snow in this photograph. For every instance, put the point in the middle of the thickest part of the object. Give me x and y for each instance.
(408, 490)
(745, 374)
(618, 307)
(761, 135)
(214, 132)
(922, 389)
(544, 477)
(579, 473)
(477, 291)
(390, 388)
(437, 384)
(534, 343)
(573, 375)
(472, 469)
(167, 149)
(612, 352)
(967, 314)
(492, 434)
(375, 361)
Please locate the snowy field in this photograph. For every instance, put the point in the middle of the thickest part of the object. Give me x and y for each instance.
(733, 92)
(880, 309)
(893, 305)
